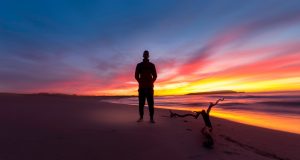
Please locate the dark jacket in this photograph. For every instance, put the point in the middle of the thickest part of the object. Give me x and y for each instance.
(145, 74)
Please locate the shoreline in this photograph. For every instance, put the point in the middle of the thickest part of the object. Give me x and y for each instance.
(43, 127)
(280, 117)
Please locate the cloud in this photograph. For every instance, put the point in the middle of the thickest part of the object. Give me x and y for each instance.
(94, 47)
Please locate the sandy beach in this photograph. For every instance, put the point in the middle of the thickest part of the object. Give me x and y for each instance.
(58, 127)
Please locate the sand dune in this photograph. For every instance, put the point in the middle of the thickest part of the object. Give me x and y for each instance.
(47, 127)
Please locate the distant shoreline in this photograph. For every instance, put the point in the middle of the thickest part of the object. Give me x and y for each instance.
(128, 96)
(215, 92)
(67, 95)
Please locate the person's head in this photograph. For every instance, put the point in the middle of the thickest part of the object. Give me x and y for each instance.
(146, 54)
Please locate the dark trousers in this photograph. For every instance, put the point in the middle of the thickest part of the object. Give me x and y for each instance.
(146, 93)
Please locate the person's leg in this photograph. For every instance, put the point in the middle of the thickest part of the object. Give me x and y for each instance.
(142, 98)
(150, 101)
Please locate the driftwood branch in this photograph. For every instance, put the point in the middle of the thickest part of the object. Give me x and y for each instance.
(173, 115)
(207, 130)
(197, 113)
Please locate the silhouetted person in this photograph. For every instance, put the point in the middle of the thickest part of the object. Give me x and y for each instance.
(145, 74)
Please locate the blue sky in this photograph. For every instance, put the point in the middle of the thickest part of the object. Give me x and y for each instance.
(84, 46)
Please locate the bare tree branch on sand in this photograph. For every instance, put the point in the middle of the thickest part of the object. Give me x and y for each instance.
(207, 129)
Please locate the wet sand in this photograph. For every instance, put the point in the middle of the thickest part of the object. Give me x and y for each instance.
(58, 127)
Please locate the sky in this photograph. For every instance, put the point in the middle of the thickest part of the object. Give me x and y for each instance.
(92, 47)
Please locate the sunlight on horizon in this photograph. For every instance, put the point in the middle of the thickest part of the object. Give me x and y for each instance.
(265, 120)
(233, 45)
(285, 84)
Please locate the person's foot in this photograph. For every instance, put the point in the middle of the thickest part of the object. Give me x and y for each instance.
(152, 121)
(140, 120)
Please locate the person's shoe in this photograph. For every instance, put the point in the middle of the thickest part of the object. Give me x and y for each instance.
(140, 120)
(152, 121)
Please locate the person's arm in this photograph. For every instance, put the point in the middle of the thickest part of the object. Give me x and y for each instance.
(154, 74)
(137, 73)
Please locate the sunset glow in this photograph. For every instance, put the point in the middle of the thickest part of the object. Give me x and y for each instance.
(196, 47)
(261, 119)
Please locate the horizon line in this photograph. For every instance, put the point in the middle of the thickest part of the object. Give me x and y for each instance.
(134, 95)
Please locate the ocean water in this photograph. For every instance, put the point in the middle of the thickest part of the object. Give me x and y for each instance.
(273, 110)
